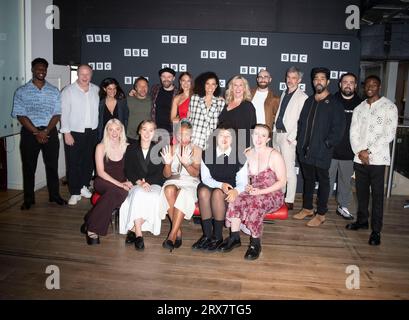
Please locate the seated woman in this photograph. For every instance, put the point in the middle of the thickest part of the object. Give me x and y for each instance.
(223, 178)
(267, 178)
(110, 182)
(140, 211)
(179, 192)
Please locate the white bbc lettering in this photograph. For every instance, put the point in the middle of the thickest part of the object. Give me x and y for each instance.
(135, 52)
(144, 52)
(174, 66)
(222, 55)
(90, 38)
(326, 45)
(134, 79)
(128, 80)
(204, 54)
(174, 39)
(336, 45)
(244, 70)
(127, 52)
(303, 58)
(165, 39)
(222, 83)
(345, 45)
(341, 73)
(213, 54)
(334, 75)
(262, 42)
(261, 68)
(165, 65)
(302, 86)
(107, 66)
(100, 66)
(92, 65)
(294, 57)
(253, 70)
(285, 57)
(182, 67)
(106, 38)
(98, 38)
(244, 41)
(182, 39)
(253, 42)
(283, 86)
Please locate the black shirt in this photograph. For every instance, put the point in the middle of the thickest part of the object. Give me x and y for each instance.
(108, 115)
(310, 124)
(163, 107)
(283, 108)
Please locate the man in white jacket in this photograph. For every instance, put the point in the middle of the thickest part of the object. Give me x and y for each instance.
(373, 128)
(285, 128)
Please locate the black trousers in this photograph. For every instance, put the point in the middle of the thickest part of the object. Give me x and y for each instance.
(30, 149)
(311, 174)
(370, 178)
(80, 159)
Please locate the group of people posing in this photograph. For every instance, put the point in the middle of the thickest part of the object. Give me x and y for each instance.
(161, 154)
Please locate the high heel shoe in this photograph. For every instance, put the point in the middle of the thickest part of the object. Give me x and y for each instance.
(93, 239)
(168, 244)
(178, 242)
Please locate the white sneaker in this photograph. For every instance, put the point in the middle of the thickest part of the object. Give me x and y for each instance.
(74, 199)
(85, 192)
(344, 213)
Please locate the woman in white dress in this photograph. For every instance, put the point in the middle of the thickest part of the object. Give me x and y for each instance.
(179, 195)
(140, 211)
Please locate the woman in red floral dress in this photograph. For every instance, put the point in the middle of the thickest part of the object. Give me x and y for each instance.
(267, 178)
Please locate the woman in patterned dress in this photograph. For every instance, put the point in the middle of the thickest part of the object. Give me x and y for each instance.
(267, 178)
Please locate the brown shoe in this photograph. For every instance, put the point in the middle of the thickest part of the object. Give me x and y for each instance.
(303, 214)
(289, 205)
(316, 221)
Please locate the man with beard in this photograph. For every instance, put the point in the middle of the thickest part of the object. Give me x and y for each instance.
(285, 128)
(162, 95)
(373, 128)
(37, 106)
(264, 100)
(342, 159)
(320, 128)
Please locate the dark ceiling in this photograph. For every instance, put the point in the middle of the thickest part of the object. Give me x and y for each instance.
(384, 12)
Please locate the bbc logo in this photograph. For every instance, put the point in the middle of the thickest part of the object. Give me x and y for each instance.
(336, 45)
(222, 83)
(283, 86)
(98, 38)
(210, 54)
(336, 74)
(136, 52)
(253, 42)
(294, 57)
(99, 66)
(174, 39)
(175, 66)
(251, 70)
(129, 80)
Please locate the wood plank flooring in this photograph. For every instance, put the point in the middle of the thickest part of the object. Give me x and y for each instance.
(296, 262)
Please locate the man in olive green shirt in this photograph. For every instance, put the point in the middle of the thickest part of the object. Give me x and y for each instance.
(140, 106)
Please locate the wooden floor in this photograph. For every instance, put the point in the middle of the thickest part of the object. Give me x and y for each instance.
(297, 262)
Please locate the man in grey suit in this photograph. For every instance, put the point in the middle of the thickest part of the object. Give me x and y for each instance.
(285, 128)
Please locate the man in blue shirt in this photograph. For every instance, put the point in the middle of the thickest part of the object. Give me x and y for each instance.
(37, 106)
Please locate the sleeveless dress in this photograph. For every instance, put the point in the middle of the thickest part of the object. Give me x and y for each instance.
(251, 209)
(183, 108)
(187, 197)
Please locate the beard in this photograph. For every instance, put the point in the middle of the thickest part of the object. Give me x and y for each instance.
(320, 88)
(348, 93)
(262, 85)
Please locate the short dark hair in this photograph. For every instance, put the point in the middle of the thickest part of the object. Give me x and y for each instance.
(200, 82)
(373, 77)
(39, 61)
(140, 79)
(323, 70)
(348, 74)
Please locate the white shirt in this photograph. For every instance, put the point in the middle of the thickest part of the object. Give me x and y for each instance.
(373, 127)
(207, 179)
(258, 102)
(79, 109)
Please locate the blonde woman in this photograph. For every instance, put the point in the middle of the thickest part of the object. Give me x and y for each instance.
(239, 112)
(110, 182)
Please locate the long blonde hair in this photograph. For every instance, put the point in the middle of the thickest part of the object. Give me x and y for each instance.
(107, 142)
(230, 94)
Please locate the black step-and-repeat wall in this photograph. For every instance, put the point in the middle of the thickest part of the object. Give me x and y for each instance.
(126, 54)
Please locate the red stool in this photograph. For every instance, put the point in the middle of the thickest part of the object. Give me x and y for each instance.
(115, 214)
(280, 214)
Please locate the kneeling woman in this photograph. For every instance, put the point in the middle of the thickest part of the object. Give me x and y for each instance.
(223, 178)
(267, 178)
(179, 192)
(110, 182)
(140, 211)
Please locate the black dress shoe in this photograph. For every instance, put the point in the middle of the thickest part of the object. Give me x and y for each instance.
(213, 245)
(289, 205)
(168, 244)
(178, 242)
(252, 252)
(356, 226)
(139, 244)
(91, 240)
(375, 239)
(198, 245)
(130, 237)
(60, 201)
(25, 206)
(84, 228)
(229, 244)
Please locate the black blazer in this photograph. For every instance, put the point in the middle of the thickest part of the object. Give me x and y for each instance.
(137, 167)
(123, 114)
